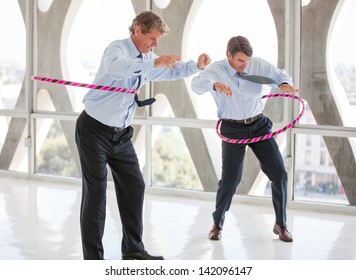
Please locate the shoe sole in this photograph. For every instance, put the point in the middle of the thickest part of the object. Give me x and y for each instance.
(214, 239)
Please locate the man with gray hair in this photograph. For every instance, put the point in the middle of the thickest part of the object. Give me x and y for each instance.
(103, 133)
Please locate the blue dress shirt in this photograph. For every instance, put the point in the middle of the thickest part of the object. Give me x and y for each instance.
(245, 101)
(120, 66)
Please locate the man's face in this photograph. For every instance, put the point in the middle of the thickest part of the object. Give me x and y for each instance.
(239, 61)
(145, 42)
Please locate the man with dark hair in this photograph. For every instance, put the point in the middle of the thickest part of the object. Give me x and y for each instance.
(103, 133)
(238, 98)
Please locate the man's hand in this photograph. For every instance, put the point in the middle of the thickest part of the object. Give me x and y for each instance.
(203, 61)
(169, 61)
(219, 87)
(288, 88)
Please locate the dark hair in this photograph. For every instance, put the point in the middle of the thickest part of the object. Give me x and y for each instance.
(239, 44)
(148, 21)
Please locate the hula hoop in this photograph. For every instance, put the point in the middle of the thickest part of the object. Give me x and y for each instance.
(267, 136)
(91, 86)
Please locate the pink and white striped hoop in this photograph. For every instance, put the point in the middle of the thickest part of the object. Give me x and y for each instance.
(91, 86)
(267, 136)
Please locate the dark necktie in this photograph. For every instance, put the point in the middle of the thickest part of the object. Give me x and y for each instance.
(145, 102)
(256, 79)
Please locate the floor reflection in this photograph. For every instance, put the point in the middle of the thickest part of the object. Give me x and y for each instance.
(40, 220)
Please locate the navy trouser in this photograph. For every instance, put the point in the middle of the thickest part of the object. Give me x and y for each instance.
(98, 146)
(271, 162)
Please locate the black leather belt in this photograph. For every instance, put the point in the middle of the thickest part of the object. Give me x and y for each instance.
(115, 128)
(107, 128)
(245, 121)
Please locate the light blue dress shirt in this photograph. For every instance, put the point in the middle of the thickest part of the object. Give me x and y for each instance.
(245, 101)
(120, 67)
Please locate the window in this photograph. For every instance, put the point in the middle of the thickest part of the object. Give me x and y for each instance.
(12, 59)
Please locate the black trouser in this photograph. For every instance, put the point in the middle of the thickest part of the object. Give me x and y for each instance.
(233, 155)
(98, 146)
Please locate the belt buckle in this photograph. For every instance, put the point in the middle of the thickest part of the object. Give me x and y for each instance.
(248, 121)
(117, 129)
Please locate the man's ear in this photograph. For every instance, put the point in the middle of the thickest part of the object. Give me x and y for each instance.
(137, 30)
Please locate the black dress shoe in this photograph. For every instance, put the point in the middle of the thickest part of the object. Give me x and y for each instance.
(215, 233)
(283, 233)
(140, 256)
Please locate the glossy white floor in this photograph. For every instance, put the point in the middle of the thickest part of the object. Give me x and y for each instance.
(40, 221)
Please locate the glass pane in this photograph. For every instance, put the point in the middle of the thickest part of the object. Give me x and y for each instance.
(316, 176)
(177, 159)
(55, 150)
(328, 63)
(176, 164)
(13, 153)
(88, 38)
(198, 39)
(12, 59)
(342, 53)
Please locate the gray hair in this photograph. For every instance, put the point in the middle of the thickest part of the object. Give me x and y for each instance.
(148, 21)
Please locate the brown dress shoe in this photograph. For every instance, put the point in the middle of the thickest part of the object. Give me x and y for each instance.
(215, 233)
(283, 233)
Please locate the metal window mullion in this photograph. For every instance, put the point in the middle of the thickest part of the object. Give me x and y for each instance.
(30, 18)
(296, 75)
(292, 55)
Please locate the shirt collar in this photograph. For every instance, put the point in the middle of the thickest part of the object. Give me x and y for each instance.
(132, 48)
